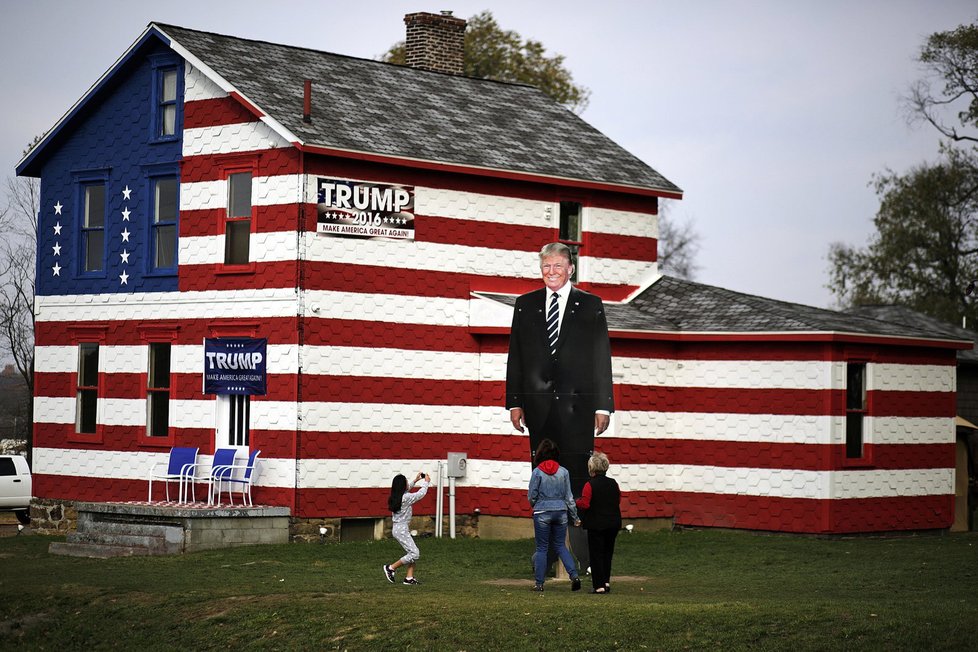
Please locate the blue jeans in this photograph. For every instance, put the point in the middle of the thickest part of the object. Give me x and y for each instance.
(551, 527)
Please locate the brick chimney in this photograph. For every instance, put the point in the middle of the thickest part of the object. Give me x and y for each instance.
(435, 42)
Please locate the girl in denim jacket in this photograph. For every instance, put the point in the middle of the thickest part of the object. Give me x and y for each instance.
(552, 501)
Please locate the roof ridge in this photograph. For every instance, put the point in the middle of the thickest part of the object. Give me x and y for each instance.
(304, 48)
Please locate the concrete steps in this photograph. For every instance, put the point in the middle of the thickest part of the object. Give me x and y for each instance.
(127, 529)
(95, 550)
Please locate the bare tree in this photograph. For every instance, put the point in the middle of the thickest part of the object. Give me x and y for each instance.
(949, 84)
(678, 245)
(18, 246)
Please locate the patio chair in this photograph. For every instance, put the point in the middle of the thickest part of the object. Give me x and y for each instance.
(178, 468)
(243, 475)
(221, 469)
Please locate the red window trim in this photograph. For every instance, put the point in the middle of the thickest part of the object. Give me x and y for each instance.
(88, 334)
(157, 334)
(236, 164)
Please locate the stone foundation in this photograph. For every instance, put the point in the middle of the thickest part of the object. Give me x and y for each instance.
(53, 517)
(60, 517)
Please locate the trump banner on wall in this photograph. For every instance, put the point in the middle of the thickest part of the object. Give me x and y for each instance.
(364, 210)
(235, 365)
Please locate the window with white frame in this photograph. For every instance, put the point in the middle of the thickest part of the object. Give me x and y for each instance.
(234, 420)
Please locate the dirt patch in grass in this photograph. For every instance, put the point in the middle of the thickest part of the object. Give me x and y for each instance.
(15, 627)
(527, 582)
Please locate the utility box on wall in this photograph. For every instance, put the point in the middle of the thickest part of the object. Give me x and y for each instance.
(456, 465)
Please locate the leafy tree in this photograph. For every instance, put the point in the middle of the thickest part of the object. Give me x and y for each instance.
(924, 253)
(494, 53)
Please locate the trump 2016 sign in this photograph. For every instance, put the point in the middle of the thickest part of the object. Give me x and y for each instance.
(364, 210)
(235, 365)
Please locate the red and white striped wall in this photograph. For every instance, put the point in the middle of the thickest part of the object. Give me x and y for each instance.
(379, 361)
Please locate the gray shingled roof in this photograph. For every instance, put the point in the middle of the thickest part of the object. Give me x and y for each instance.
(903, 315)
(698, 307)
(620, 316)
(677, 305)
(380, 108)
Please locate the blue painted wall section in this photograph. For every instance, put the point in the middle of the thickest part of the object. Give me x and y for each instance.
(111, 139)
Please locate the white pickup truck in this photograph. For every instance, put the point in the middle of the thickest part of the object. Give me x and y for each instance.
(16, 487)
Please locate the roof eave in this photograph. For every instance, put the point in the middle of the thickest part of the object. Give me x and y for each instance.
(517, 175)
(785, 336)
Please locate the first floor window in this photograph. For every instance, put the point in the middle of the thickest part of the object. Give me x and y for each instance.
(93, 228)
(164, 235)
(237, 228)
(158, 390)
(86, 402)
(855, 408)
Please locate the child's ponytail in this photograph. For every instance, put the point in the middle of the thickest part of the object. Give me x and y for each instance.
(398, 487)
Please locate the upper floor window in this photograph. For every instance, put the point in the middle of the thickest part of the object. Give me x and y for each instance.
(164, 227)
(237, 226)
(571, 231)
(855, 408)
(167, 107)
(158, 390)
(86, 398)
(93, 228)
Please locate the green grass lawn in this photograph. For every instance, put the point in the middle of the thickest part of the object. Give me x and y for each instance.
(685, 590)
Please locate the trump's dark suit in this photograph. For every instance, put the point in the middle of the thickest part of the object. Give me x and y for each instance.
(560, 394)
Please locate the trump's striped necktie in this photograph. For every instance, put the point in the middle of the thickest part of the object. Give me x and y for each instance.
(552, 321)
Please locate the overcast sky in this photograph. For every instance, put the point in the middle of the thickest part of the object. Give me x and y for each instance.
(772, 116)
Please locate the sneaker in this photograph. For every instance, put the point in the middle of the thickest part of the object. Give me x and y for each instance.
(576, 584)
(538, 588)
(389, 572)
(411, 580)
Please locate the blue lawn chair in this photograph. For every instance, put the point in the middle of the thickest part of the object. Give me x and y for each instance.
(179, 468)
(221, 469)
(243, 475)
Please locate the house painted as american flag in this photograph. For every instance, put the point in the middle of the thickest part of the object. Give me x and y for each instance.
(369, 225)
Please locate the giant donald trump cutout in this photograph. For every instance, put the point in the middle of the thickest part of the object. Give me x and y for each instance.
(558, 375)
